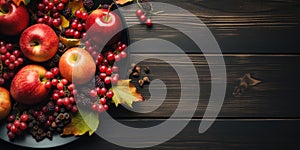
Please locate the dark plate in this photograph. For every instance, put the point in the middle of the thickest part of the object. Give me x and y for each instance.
(28, 141)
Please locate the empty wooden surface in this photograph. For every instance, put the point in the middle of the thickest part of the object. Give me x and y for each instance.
(256, 37)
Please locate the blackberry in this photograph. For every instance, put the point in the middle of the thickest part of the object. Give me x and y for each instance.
(42, 118)
(88, 4)
(99, 82)
(67, 13)
(81, 99)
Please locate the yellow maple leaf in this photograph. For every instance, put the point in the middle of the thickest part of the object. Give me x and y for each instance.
(19, 2)
(76, 5)
(69, 42)
(123, 2)
(125, 93)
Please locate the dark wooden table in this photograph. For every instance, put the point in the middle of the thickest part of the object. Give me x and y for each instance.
(256, 37)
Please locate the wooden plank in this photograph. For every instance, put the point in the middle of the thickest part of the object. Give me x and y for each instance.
(224, 134)
(276, 97)
(239, 26)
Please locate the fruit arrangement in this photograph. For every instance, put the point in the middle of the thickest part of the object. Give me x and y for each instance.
(57, 56)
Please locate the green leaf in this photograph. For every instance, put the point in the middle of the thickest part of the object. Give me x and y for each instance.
(80, 126)
(125, 93)
(18, 2)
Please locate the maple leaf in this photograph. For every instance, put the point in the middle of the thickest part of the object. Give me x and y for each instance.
(80, 126)
(64, 22)
(69, 42)
(123, 2)
(125, 93)
(76, 5)
(19, 2)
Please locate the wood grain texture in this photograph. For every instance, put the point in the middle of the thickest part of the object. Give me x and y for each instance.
(239, 26)
(276, 97)
(224, 134)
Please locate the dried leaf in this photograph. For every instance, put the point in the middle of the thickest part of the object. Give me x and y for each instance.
(80, 126)
(69, 42)
(65, 23)
(76, 5)
(123, 2)
(18, 2)
(125, 93)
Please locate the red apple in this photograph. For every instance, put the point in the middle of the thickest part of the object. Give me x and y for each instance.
(5, 104)
(103, 26)
(28, 85)
(13, 19)
(77, 65)
(39, 42)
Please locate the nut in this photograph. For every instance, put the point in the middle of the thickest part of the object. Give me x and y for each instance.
(135, 74)
(147, 70)
(141, 82)
(146, 80)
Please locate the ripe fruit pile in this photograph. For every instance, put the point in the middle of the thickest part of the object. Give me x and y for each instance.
(44, 58)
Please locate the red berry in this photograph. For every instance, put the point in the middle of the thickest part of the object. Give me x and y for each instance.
(114, 79)
(109, 94)
(16, 63)
(66, 101)
(117, 57)
(16, 53)
(107, 80)
(110, 57)
(60, 6)
(79, 27)
(100, 108)
(74, 25)
(46, 2)
(108, 71)
(51, 118)
(64, 1)
(143, 18)
(105, 107)
(17, 123)
(139, 12)
(13, 129)
(74, 109)
(103, 100)
(149, 23)
(93, 93)
(57, 109)
(59, 102)
(60, 86)
(55, 71)
(78, 14)
(3, 50)
(64, 81)
(123, 54)
(49, 75)
(54, 82)
(23, 126)
(8, 126)
(71, 87)
(103, 69)
(48, 85)
(102, 91)
(56, 22)
(11, 135)
(102, 76)
(72, 100)
(55, 1)
(94, 107)
(77, 34)
(115, 69)
(61, 93)
(55, 96)
(84, 16)
(41, 6)
(51, 5)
